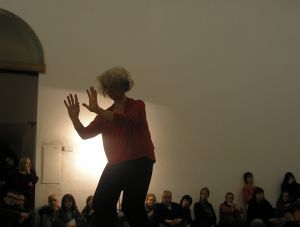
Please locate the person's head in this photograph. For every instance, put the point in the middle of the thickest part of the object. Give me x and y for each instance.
(8, 157)
(89, 201)
(115, 82)
(258, 194)
(229, 197)
(150, 200)
(24, 163)
(248, 178)
(186, 201)
(53, 201)
(68, 202)
(204, 194)
(9, 198)
(20, 200)
(9, 162)
(166, 197)
(285, 196)
(289, 178)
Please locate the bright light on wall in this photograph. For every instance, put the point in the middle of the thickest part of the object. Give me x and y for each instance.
(90, 157)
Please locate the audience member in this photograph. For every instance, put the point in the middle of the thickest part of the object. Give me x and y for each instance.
(282, 203)
(9, 215)
(204, 212)
(24, 181)
(167, 212)
(69, 216)
(88, 210)
(230, 213)
(290, 185)
(49, 213)
(150, 201)
(248, 188)
(260, 210)
(8, 166)
(186, 202)
(20, 201)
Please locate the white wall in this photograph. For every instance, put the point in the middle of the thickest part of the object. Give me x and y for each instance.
(220, 79)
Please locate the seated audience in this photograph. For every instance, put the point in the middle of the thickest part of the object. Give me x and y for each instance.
(20, 201)
(205, 215)
(149, 207)
(9, 215)
(24, 181)
(290, 185)
(48, 213)
(282, 203)
(69, 216)
(88, 210)
(260, 211)
(167, 212)
(230, 213)
(186, 202)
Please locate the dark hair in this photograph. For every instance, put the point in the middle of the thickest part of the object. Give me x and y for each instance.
(188, 198)
(257, 190)
(286, 178)
(229, 193)
(88, 199)
(9, 190)
(246, 176)
(68, 197)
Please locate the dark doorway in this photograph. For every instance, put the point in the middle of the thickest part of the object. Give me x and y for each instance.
(18, 115)
(21, 61)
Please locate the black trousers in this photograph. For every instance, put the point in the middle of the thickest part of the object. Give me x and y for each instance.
(133, 178)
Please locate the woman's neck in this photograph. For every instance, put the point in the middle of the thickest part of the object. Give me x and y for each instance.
(119, 105)
(121, 100)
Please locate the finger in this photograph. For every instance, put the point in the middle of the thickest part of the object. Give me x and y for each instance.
(69, 100)
(66, 104)
(88, 92)
(72, 99)
(76, 99)
(94, 92)
(87, 106)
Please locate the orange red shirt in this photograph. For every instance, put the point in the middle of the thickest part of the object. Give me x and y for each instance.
(127, 137)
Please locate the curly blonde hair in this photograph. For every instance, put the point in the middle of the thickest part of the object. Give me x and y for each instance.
(116, 77)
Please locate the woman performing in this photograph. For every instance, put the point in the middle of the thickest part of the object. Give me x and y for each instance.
(127, 145)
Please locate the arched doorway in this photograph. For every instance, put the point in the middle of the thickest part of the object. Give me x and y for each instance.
(21, 61)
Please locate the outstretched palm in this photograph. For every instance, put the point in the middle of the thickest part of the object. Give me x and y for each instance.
(72, 105)
(93, 102)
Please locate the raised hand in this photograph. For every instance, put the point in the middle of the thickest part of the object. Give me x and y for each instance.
(72, 105)
(93, 102)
